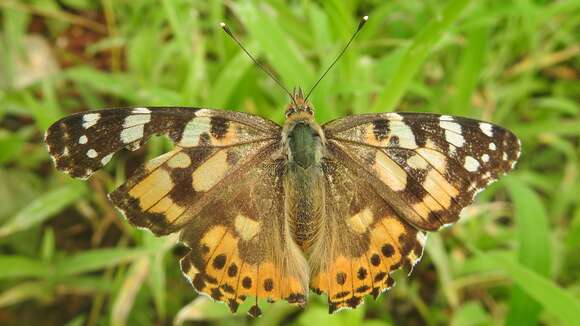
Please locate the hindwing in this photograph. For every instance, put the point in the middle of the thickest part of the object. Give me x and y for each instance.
(363, 240)
(240, 244)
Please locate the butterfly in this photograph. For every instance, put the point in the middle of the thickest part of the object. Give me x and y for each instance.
(271, 212)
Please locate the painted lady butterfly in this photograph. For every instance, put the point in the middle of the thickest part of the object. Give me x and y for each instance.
(271, 211)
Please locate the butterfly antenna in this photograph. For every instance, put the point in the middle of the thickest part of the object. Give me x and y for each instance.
(360, 26)
(229, 32)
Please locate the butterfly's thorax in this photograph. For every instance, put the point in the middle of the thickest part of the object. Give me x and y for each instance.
(303, 180)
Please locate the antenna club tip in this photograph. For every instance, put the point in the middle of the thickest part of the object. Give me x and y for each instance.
(365, 18)
(222, 24)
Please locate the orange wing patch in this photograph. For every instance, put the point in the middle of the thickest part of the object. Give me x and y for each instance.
(239, 247)
(393, 243)
(221, 272)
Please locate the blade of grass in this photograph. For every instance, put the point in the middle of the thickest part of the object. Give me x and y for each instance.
(569, 127)
(44, 207)
(230, 76)
(13, 266)
(25, 291)
(471, 313)
(441, 261)
(533, 250)
(470, 66)
(286, 59)
(92, 260)
(156, 276)
(416, 54)
(555, 300)
(11, 145)
(125, 299)
(46, 111)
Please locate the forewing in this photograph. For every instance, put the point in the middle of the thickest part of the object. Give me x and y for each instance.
(170, 190)
(84, 142)
(211, 148)
(240, 245)
(428, 166)
(363, 240)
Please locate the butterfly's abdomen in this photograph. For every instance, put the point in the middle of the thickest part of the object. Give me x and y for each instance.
(304, 184)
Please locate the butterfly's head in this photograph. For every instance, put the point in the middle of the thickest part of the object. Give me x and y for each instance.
(299, 108)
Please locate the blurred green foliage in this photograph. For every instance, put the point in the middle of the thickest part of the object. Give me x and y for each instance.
(67, 257)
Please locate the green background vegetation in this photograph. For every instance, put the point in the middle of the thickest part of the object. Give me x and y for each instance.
(67, 257)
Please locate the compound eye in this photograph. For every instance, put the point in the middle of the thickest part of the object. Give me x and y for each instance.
(290, 111)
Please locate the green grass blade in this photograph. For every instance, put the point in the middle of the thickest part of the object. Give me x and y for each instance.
(416, 55)
(470, 67)
(281, 53)
(555, 300)
(230, 76)
(44, 207)
(12, 266)
(532, 234)
(125, 299)
(25, 291)
(89, 261)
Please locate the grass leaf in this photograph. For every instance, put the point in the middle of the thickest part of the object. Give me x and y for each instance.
(92, 260)
(12, 266)
(416, 54)
(555, 300)
(284, 56)
(533, 246)
(44, 207)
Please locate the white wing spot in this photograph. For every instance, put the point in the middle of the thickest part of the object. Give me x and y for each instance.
(454, 139)
(452, 126)
(504, 156)
(471, 164)
(136, 119)
(132, 134)
(90, 119)
(405, 134)
(446, 118)
(193, 130)
(452, 132)
(83, 139)
(393, 116)
(141, 110)
(203, 113)
(486, 128)
(92, 153)
(492, 146)
(485, 158)
(65, 151)
(106, 159)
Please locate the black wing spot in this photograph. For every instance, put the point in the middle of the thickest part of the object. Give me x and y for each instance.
(247, 282)
(340, 278)
(219, 261)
